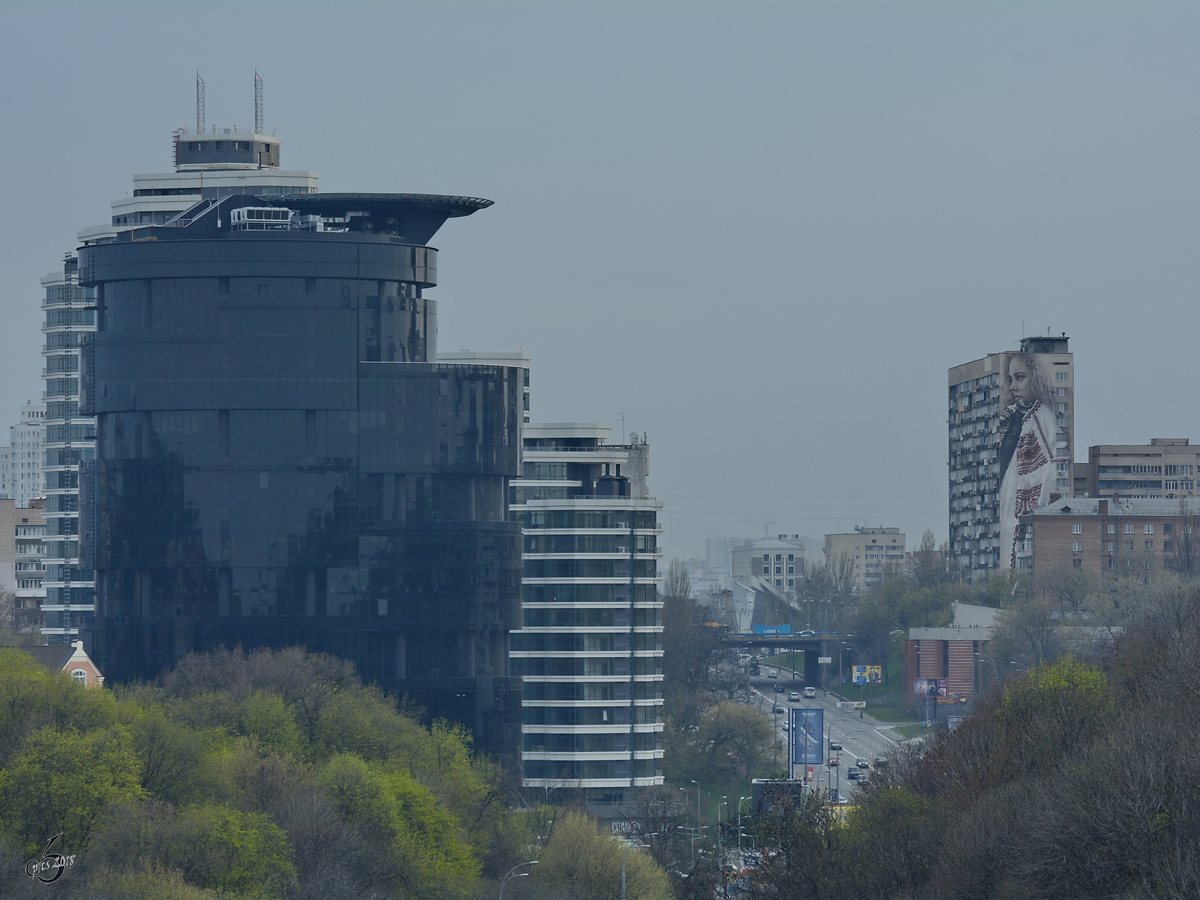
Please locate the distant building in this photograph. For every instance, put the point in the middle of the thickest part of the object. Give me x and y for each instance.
(948, 655)
(866, 555)
(1162, 469)
(1011, 424)
(779, 562)
(22, 531)
(21, 460)
(71, 659)
(718, 551)
(589, 649)
(1110, 536)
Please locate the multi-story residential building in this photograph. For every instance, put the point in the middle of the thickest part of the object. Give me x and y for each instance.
(777, 562)
(70, 439)
(207, 166)
(22, 530)
(866, 555)
(1111, 536)
(21, 461)
(589, 649)
(1163, 469)
(1011, 425)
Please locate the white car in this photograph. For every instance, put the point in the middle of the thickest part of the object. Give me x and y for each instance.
(772, 673)
(810, 692)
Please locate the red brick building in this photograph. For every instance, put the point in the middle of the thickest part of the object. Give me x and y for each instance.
(1110, 537)
(948, 654)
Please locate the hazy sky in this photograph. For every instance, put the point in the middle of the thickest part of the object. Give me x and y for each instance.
(760, 231)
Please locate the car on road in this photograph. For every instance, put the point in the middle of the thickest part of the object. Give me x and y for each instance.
(785, 726)
(835, 745)
(880, 762)
(807, 632)
(778, 708)
(779, 688)
(772, 673)
(862, 763)
(793, 697)
(833, 761)
(852, 774)
(810, 692)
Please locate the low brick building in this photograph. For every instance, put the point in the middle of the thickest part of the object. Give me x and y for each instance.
(948, 654)
(1110, 537)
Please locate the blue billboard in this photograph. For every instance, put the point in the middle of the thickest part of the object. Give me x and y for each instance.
(772, 629)
(807, 729)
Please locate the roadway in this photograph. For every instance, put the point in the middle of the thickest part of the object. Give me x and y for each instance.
(860, 737)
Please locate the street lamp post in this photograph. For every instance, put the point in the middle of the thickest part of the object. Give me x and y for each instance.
(741, 800)
(625, 859)
(990, 661)
(514, 874)
(1013, 662)
(720, 847)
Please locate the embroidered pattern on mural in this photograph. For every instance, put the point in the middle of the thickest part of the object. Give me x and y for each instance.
(1030, 455)
(1027, 499)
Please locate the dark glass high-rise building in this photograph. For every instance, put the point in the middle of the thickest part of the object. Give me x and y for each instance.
(280, 460)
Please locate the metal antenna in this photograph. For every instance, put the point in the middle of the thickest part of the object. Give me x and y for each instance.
(258, 110)
(199, 104)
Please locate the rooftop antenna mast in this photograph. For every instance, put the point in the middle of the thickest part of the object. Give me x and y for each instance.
(199, 104)
(258, 110)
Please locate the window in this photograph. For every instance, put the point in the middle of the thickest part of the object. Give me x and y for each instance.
(1149, 529)
(1168, 528)
(791, 557)
(766, 570)
(766, 557)
(1060, 392)
(778, 557)
(1112, 529)
(1171, 470)
(1112, 563)
(778, 582)
(1185, 470)
(1112, 545)
(1171, 485)
(1129, 529)
(1076, 528)
(791, 582)
(1077, 547)
(1060, 407)
(779, 570)
(1129, 545)
(1060, 376)
(79, 676)
(1149, 546)
(1168, 547)
(1060, 420)
(791, 570)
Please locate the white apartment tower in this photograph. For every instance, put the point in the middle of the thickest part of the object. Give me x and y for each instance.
(21, 460)
(208, 165)
(589, 651)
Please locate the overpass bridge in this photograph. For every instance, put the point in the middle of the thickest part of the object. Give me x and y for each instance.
(812, 646)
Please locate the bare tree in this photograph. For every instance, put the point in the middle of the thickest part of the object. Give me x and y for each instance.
(677, 583)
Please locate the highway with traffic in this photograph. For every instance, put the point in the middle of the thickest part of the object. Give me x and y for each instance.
(858, 737)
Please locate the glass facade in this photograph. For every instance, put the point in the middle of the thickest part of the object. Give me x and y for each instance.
(589, 649)
(279, 462)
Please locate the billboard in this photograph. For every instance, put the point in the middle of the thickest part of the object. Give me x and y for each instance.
(807, 730)
(1034, 440)
(868, 674)
(772, 629)
(930, 687)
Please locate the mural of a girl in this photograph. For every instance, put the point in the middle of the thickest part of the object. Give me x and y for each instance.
(1027, 447)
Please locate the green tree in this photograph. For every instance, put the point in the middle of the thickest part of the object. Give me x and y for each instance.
(583, 862)
(430, 857)
(62, 780)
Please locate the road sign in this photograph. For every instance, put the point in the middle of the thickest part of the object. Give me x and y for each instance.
(851, 704)
(824, 660)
